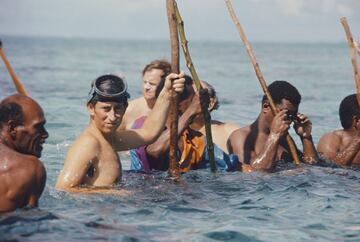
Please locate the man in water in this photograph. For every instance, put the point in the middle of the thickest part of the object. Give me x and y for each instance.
(22, 134)
(152, 75)
(262, 143)
(343, 146)
(192, 142)
(93, 160)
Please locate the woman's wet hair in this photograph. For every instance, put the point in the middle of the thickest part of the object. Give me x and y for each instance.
(349, 108)
(111, 85)
(280, 90)
(11, 111)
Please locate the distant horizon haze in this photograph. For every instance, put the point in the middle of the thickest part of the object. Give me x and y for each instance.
(298, 21)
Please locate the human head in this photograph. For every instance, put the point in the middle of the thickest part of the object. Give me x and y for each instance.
(214, 102)
(348, 111)
(284, 95)
(107, 102)
(108, 88)
(153, 73)
(22, 125)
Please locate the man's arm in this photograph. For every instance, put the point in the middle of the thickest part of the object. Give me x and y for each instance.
(155, 122)
(329, 145)
(78, 161)
(162, 144)
(39, 186)
(265, 159)
(303, 128)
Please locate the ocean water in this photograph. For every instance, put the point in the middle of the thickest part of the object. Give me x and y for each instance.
(303, 204)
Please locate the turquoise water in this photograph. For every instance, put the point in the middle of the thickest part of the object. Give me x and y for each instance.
(309, 203)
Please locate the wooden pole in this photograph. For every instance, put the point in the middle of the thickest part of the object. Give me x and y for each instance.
(174, 170)
(352, 49)
(19, 87)
(261, 79)
(204, 109)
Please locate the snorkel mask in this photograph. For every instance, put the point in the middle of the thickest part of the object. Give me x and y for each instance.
(108, 88)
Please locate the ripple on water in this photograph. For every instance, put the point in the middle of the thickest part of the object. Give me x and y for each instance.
(230, 236)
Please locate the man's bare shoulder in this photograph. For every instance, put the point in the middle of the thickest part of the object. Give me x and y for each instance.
(225, 128)
(240, 133)
(22, 165)
(136, 105)
(330, 142)
(86, 142)
(332, 136)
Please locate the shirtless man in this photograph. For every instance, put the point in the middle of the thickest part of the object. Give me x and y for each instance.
(262, 143)
(343, 146)
(220, 131)
(93, 160)
(152, 74)
(22, 134)
(192, 142)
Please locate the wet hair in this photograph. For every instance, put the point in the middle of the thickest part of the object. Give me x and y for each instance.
(163, 65)
(348, 109)
(183, 95)
(11, 111)
(283, 90)
(109, 84)
(212, 94)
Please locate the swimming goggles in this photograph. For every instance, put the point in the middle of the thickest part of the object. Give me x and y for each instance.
(108, 96)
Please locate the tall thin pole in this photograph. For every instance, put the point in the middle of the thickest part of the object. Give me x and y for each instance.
(260, 77)
(204, 109)
(352, 50)
(174, 170)
(19, 87)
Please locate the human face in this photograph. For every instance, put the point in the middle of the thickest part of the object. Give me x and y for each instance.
(285, 104)
(151, 81)
(187, 96)
(31, 136)
(107, 115)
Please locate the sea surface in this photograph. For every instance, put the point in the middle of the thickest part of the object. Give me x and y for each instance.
(309, 203)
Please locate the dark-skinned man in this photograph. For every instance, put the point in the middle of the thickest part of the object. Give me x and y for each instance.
(22, 134)
(262, 143)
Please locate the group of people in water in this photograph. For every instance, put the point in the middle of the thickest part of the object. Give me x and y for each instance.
(141, 127)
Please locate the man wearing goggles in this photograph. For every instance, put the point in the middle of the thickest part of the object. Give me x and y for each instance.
(93, 160)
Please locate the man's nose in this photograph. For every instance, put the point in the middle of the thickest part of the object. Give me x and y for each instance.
(45, 134)
(147, 86)
(112, 115)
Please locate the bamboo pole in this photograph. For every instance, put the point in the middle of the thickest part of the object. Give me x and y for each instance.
(204, 108)
(260, 77)
(352, 49)
(357, 46)
(19, 87)
(174, 170)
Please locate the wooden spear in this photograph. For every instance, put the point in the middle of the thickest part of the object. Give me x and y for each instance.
(259, 75)
(352, 56)
(204, 109)
(19, 87)
(174, 170)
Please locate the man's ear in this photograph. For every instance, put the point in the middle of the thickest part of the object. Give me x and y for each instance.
(213, 104)
(11, 127)
(356, 122)
(91, 109)
(266, 106)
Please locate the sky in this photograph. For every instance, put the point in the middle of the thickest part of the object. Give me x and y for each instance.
(262, 20)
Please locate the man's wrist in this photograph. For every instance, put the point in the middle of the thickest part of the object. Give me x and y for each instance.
(274, 136)
(165, 94)
(306, 137)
